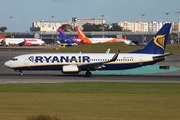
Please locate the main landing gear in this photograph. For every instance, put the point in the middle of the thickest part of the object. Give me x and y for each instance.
(88, 74)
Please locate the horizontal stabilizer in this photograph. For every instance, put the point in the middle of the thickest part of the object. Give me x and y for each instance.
(160, 57)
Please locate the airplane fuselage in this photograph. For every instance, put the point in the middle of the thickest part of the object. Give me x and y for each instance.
(16, 41)
(104, 40)
(54, 61)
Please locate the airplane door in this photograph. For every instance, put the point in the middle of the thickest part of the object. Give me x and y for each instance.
(25, 61)
(140, 60)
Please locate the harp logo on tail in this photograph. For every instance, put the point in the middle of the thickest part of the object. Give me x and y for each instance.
(159, 41)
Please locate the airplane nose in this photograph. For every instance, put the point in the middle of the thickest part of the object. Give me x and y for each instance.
(7, 64)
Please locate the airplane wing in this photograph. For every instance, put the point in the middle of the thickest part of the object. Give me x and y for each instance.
(98, 65)
(22, 43)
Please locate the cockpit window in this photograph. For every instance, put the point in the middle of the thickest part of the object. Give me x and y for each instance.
(14, 59)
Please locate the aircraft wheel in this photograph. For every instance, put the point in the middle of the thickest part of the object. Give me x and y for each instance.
(21, 73)
(88, 74)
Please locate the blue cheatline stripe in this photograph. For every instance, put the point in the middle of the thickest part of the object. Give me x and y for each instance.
(108, 66)
(142, 70)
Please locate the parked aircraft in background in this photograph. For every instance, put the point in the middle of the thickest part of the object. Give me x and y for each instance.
(33, 42)
(1, 40)
(22, 41)
(1, 37)
(86, 40)
(65, 40)
(12, 41)
(73, 63)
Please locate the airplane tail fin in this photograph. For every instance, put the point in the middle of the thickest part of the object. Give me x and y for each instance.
(83, 37)
(62, 34)
(157, 44)
(65, 39)
(61, 30)
(1, 37)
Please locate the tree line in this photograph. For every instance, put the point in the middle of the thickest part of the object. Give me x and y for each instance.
(86, 27)
(3, 29)
(93, 27)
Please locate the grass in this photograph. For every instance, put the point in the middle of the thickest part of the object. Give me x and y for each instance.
(175, 48)
(101, 47)
(6, 34)
(43, 117)
(91, 101)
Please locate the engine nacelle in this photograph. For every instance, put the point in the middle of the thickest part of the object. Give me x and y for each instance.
(28, 44)
(70, 69)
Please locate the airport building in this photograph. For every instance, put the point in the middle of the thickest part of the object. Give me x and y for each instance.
(146, 26)
(52, 26)
(79, 22)
(136, 31)
(141, 26)
(47, 26)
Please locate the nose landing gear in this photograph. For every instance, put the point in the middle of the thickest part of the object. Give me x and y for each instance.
(21, 73)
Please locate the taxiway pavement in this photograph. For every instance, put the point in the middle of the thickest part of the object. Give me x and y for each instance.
(9, 76)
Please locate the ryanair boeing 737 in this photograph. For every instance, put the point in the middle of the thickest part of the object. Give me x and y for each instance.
(70, 63)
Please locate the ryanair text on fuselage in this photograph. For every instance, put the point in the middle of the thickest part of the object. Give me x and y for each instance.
(52, 59)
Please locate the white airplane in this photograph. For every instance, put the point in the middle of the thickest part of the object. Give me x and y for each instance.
(69, 63)
(85, 40)
(22, 41)
(33, 42)
(12, 41)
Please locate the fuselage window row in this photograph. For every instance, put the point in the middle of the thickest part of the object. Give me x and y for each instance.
(109, 59)
(90, 60)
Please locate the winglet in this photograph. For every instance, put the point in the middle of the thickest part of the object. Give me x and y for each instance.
(108, 50)
(115, 56)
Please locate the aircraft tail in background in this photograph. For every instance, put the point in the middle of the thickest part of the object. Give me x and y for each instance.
(62, 35)
(83, 37)
(85, 40)
(63, 38)
(1, 37)
(158, 44)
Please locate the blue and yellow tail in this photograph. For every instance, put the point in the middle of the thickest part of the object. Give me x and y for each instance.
(158, 44)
